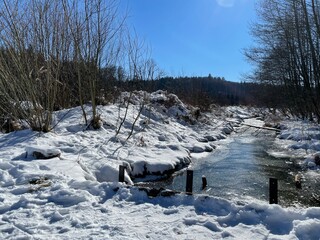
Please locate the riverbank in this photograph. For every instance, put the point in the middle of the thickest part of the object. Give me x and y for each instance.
(299, 141)
(155, 140)
(75, 195)
(241, 166)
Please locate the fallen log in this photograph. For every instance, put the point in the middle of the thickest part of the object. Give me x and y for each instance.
(259, 127)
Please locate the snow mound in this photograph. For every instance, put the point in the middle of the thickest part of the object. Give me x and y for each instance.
(163, 105)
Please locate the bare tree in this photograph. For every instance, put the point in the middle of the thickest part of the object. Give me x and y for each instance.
(287, 52)
(96, 28)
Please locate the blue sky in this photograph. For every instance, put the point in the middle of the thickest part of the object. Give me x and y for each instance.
(195, 37)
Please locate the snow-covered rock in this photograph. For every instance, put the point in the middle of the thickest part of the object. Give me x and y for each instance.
(43, 152)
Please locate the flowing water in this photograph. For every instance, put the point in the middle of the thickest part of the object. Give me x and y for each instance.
(240, 168)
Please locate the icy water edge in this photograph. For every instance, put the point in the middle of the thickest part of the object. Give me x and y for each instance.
(240, 168)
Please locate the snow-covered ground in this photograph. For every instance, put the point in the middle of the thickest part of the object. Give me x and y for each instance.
(75, 195)
(300, 141)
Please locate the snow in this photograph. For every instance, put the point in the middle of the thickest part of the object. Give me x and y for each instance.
(300, 139)
(76, 195)
(42, 152)
(78, 210)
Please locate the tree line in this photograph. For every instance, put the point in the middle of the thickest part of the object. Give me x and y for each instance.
(286, 53)
(205, 91)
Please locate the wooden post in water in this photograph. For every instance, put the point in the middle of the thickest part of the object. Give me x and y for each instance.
(121, 173)
(273, 191)
(189, 181)
(204, 182)
(297, 180)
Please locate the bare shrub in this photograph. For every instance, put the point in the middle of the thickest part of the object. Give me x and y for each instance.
(33, 41)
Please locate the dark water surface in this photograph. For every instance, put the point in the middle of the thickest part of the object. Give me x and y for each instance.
(240, 168)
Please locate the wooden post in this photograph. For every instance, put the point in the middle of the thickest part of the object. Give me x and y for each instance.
(204, 182)
(297, 180)
(121, 173)
(189, 181)
(273, 191)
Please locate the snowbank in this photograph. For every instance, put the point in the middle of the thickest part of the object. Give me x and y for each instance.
(301, 140)
(157, 135)
(87, 209)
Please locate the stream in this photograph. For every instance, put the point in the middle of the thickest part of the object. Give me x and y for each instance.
(240, 168)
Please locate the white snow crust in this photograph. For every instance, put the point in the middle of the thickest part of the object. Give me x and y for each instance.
(77, 195)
